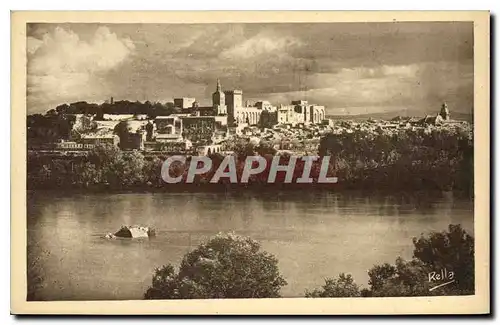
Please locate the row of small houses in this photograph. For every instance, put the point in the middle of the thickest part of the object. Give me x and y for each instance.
(170, 147)
(178, 147)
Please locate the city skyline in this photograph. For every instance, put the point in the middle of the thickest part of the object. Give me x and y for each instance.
(351, 68)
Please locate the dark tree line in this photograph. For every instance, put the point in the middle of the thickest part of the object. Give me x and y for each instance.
(117, 107)
(107, 166)
(103, 167)
(49, 127)
(432, 159)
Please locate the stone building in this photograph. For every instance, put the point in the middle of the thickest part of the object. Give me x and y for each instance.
(133, 141)
(247, 115)
(132, 134)
(100, 139)
(300, 111)
(219, 100)
(310, 113)
(170, 147)
(201, 130)
(168, 125)
(184, 102)
(431, 120)
(265, 106)
(218, 108)
(227, 107)
(268, 119)
(252, 115)
(234, 102)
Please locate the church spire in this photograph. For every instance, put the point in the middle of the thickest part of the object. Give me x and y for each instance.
(218, 97)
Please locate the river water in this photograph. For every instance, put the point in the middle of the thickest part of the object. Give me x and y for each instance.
(313, 235)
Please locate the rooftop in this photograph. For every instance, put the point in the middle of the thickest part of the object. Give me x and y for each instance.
(98, 136)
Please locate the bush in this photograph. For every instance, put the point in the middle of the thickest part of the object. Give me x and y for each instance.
(343, 286)
(35, 276)
(405, 278)
(228, 266)
(451, 250)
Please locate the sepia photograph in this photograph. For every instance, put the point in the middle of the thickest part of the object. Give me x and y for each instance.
(189, 159)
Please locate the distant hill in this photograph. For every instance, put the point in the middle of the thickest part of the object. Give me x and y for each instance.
(391, 115)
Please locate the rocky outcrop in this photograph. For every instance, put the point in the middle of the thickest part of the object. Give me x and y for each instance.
(133, 232)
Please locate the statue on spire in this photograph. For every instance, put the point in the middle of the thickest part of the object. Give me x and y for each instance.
(445, 113)
(219, 88)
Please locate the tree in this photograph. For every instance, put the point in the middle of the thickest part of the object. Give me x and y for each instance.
(131, 168)
(452, 250)
(152, 171)
(343, 286)
(449, 251)
(104, 155)
(62, 109)
(118, 169)
(405, 278)
(123, 130)
(265, 148)
(87, 174)
(379, 274)
(35, 272)
(241, 147)
(227, 266)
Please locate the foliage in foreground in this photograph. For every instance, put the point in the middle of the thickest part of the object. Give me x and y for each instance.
(228, 266)
(35, 277)
(343, 286)
(446, 251)
(231, 266)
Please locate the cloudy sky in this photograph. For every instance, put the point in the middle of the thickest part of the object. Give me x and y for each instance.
(351, 68)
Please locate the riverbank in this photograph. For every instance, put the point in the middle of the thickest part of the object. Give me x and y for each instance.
(340, 187)
(258, 192)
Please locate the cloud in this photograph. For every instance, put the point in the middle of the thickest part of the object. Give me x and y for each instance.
(355, 66)
(383, 71)
(259, 46)
(33, 44)
(361, 90)
(64, 67)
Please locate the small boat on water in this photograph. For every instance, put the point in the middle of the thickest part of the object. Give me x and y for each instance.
(132, 232)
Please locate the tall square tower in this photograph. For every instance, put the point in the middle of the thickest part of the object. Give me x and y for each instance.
(234, 102)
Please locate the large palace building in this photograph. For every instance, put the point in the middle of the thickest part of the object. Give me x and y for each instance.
(228, 107)
(231, 101)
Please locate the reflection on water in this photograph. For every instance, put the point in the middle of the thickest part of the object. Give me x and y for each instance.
(314, 235)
